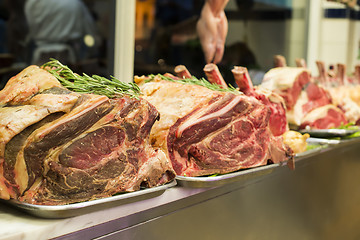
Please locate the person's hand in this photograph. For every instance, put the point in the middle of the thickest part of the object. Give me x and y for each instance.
(212, 29)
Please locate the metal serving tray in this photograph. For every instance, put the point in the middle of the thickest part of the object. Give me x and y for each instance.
(312, 140)
(320, 147)
(75, 209)
(214, 181)
(247, 174)
(329, 133)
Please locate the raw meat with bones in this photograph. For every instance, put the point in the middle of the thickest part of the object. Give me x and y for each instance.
(308, 104)
(345, 91)
(277, 121)
(61, 147)
(206, 131)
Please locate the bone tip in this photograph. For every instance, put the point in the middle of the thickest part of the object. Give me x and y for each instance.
(209, 67)
(280, 60)
(239, 69)
(180, 68)
(320, 63)
(340, 65)
(300, 62)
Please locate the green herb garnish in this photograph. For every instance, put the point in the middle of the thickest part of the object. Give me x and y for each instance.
(195, 81)
(214, 175)
(348, 126)
(354, 135)
(314, 146)
(95, 84)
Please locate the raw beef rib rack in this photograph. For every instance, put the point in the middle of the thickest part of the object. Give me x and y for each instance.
(344, 90)
(60, 147)
(206, 131)
(277, 122)
(308, 103)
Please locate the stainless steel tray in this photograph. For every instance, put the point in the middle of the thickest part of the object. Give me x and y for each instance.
(320, 147)
(312, 140)
(214, 181)
(75, 209)
(252, 173)
(329, 133)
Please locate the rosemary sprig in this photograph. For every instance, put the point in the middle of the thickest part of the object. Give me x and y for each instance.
(195, 81)
(111, 88)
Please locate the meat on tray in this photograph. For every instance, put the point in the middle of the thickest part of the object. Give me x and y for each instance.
(61, 147)
(344, 90)
(210, 129)
(308, 104)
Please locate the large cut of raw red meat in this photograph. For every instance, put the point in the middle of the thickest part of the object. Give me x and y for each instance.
(344, 90)
(60, 147)
(277, 121)
(206, 131)
(308, 104)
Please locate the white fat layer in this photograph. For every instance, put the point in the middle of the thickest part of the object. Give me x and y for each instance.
(25, 84)
(343, 97)
(195, 119)
(295, 115)
(352, 110)
(180, 99)
(173, 101)
(16, 119)
(281, 78)
(319, 113)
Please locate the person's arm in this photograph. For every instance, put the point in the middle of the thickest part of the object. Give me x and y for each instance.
(212, 29)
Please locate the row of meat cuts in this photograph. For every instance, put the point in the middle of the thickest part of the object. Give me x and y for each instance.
(344, 90)
(61, 147)
(318, 102)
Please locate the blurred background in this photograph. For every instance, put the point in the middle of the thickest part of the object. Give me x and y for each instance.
(81, 33)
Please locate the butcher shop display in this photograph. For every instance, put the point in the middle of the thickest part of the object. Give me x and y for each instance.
(210, 128)
(59, 146)
(68, 138)
(309, 105)
(344, 90)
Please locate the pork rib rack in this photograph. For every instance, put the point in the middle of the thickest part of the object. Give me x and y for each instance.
(210, 129)
(61, 147)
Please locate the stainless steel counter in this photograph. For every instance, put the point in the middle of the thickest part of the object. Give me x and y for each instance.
(319, 200)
